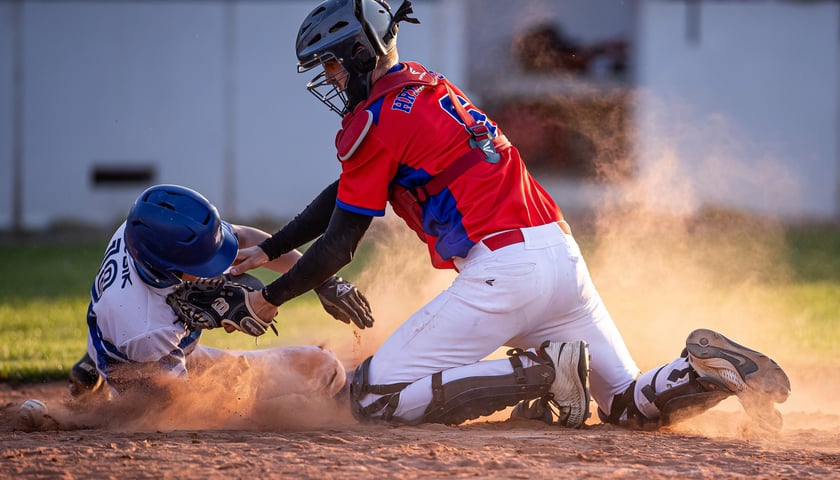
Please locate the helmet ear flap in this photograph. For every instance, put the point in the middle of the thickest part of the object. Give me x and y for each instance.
(364, 58)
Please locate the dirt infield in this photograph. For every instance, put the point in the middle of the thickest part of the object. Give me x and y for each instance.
(713, 445)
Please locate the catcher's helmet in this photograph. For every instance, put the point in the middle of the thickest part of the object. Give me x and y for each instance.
(355, 33)
(172, 230)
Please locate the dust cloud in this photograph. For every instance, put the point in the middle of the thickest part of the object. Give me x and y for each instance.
(232, 394)
(667, 260)
(398, 281)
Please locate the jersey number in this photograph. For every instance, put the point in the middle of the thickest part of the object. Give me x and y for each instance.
(479, 116)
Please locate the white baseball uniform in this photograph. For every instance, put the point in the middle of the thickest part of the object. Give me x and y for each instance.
(129, 322)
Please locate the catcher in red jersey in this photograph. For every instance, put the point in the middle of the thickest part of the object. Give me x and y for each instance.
(413, 139)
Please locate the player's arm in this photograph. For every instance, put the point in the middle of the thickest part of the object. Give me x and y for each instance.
(251, 237)
(323, 259)
(340, 298)
(305, 227)
(308, 225)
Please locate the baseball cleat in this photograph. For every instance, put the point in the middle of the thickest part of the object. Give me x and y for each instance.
(755, 378)
(533, 409)
(569, 393)
(83, 377)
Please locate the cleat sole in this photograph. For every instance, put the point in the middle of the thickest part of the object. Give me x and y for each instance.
(761, 374)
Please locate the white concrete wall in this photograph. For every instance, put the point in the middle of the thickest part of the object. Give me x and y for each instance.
(746, 113)
(6, 114)
(745, 116)
(124, 83)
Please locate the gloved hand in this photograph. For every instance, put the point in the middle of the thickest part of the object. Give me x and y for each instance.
(345, 302)
(219, 302)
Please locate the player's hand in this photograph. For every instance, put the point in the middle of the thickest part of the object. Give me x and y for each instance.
(248, 259)
(345, 302)
(219, 302)
(260, 306)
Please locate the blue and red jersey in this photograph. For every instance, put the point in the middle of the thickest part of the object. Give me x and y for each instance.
(411, 133)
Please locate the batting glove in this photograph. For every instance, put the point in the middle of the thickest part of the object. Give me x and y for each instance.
(345, 302)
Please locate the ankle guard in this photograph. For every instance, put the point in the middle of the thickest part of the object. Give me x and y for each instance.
(659, 400)
(689, 399)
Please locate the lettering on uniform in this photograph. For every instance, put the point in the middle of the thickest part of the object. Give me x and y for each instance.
(405, 99)
(126, 273)
(107, 271)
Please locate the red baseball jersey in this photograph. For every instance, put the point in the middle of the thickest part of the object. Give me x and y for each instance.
(410, 133)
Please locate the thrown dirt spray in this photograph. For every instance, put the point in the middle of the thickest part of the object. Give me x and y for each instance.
(232, 394)
(398, 280)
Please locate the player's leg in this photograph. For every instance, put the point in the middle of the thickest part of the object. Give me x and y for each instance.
(301, 369)
(496, 297)
(275, 372)
(577, 311)
(711, 368)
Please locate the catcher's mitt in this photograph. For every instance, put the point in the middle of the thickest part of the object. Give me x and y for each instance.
(218, 302)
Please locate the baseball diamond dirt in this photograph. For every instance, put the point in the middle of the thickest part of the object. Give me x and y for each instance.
(290, 441)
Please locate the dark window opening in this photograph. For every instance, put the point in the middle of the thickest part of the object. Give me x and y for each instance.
(122, 175)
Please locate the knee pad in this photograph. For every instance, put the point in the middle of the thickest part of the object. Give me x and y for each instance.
(386, 403)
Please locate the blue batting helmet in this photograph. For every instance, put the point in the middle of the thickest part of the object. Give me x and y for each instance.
(172, 230)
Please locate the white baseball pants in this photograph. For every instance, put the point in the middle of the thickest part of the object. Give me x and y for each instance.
(516, 296)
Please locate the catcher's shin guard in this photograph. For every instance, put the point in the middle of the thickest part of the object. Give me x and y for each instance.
(664, 396)
(472, 397)
(458, 400)
(711, 368)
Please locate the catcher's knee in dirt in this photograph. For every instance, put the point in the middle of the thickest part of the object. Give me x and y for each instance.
(455, 401)
(360, 387)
